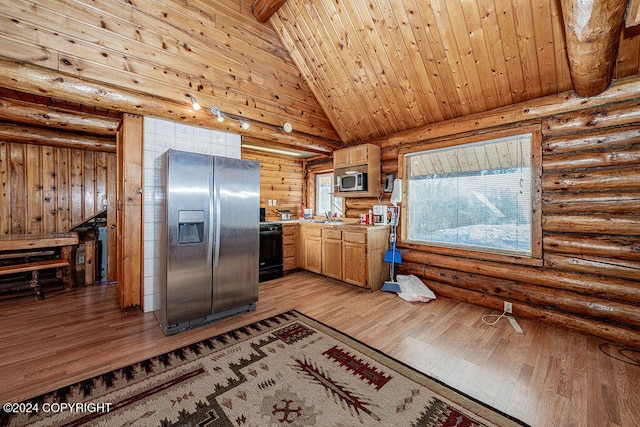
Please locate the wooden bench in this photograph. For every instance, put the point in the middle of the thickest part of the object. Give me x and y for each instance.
(19, 248)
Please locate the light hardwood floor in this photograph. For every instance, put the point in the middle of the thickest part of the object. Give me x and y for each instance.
(544, 377)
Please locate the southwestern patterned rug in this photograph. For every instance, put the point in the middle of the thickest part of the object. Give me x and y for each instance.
(286, 370)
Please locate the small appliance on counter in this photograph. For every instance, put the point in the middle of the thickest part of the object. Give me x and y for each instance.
(285, 214)
(379, 215)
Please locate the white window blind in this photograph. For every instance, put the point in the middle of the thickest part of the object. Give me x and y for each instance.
(475, 196)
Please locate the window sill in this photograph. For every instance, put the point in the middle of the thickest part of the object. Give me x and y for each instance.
(473, 254)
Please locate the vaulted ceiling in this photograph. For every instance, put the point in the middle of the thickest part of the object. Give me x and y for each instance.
(340, 72)
(382, 66)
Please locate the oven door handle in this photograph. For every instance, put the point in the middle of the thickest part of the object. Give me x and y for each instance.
(270, 233)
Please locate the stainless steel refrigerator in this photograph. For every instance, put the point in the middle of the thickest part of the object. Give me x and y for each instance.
(210, 239)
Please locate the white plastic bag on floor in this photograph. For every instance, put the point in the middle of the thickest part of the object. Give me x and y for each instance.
(412, 289)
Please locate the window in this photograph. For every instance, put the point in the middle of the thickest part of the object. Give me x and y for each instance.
(325, 201)
(474, 196)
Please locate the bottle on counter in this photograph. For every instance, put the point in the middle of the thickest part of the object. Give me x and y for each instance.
(370, 217)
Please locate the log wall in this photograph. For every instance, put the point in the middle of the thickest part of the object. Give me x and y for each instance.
(216, 51)
(589, 277)
(46, 189)
(281, 179)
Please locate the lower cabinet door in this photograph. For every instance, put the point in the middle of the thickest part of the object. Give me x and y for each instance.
(332, 258)
(313, 255)
(354, 255)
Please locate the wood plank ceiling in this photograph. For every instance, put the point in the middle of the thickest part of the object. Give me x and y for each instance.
(340, 71)
(164, 50)
(382, 66)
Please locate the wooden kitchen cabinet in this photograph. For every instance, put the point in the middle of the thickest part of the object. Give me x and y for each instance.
(355, 156)
(364, 158)
(354, 254)
(341, 158)
(310, 256)
(289, 246)
(351, 253)
(332, 253)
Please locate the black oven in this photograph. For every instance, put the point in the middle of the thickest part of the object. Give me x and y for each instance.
(270, 251)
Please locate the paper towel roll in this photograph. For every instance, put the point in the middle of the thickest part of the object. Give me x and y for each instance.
(396, 194)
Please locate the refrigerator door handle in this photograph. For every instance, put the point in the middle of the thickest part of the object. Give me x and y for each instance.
(211, 219)
(217, 196)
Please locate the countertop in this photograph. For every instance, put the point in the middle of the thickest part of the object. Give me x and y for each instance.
(349, 222)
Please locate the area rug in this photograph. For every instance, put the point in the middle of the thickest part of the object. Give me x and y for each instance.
(287, 370)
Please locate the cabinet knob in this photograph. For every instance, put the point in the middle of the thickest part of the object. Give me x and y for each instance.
(139, 190)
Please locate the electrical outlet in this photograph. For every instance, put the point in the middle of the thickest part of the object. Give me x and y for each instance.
(508, 307)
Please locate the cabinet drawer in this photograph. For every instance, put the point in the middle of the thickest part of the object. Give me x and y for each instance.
(289, 264)
(289, 251)
(289, 239)
(330, 233)
(313, 232)
(289, 230)
(354, 236)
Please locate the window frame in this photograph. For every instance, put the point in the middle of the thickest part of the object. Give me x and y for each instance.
(536, 195)
(332, 197)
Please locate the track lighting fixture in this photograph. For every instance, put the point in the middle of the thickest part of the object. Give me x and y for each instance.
(194, 104)
(218, 114)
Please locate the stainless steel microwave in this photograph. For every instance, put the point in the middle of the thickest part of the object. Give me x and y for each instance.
(355, 181)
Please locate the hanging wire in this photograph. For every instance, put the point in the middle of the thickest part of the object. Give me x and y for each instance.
(624, 354)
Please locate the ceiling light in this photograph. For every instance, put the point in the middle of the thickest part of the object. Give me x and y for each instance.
(216, 112)
(291, 153)
(287, 127)
(219, 114)
(194, 104)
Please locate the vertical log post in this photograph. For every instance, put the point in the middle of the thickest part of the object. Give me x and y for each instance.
(264, 9)
(592, 31)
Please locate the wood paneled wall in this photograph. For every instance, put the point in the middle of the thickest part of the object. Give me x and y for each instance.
(589, 280)
(48, 189)
(281, 179)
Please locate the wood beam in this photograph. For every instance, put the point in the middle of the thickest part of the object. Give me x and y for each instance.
(37, 80)
(294, 145)
(633, 14)
(55, 138)
(592, 31)
(621, 90)
(264, 9)
(27, 113)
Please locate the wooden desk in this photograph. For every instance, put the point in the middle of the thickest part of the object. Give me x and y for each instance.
(21, 247)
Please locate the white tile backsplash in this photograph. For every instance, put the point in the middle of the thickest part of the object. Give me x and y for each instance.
(149, 301)
(159, 136)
